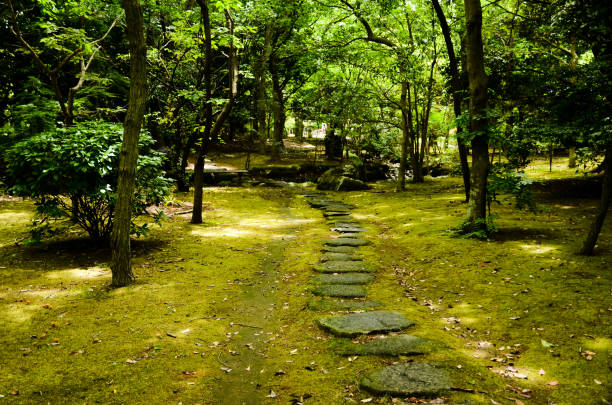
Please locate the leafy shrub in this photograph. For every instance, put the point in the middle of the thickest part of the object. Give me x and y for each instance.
(72, 174)
(505, 179)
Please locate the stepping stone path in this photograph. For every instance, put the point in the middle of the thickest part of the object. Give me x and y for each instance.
(340, 290)
(408, 379)
(365, 322)
(331, 256)
(398, 345)
(346, 278)
(345, 275)
(354, 242)
(347, 266)
(339, 249)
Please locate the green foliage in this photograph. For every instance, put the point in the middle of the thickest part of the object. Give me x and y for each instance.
(505, 179)
(481, 228)
(72, 174)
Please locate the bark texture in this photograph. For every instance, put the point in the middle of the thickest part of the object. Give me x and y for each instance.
(212, 128)
(456, 91)
(478, 103)
(120, 237)
(604, 204)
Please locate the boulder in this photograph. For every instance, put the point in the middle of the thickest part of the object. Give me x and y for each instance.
(338, 179)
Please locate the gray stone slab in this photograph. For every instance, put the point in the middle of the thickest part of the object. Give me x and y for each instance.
(327, 305)
(348, 229)
(408, 379)
(344, 278)
(335, 214)
(364, 323)
(337, 207)
(350, 235)
(319, 203)
(340, 291)
(331, 256)
(398, 345)
(347, 242)
(344, 267)
(339, 249)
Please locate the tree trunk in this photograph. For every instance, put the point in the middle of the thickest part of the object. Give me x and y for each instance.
(604, 204)
(198, 179)
(456, 91)
(406, 126)
(476, 209)
(260, 89)
(120, 237)
(572, 157)
(299, 128)
(278, 109)
(212, 130)
(417, 169)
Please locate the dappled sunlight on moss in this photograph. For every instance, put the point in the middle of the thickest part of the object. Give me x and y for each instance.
(537, 249)
(92, 272)
(218, 232)
(598, 343)
(19, 314)
(8, 216)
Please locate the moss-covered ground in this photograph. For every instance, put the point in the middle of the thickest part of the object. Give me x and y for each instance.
(218, 314)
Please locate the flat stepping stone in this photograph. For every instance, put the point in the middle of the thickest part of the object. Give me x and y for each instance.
(408, 379)
(348, 229)
(365, 322)
(345, 278)
(339, 249)
(340, 291)
(325, 305)
(347, 242)
(350, 235)
(344, 267)
(328, 214)
(331, 256)
(398, 345)
(337, 207)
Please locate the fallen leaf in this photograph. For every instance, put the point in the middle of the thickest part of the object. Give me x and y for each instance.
(553, 383)
(597, 382)
(130, 361)
(546, 344)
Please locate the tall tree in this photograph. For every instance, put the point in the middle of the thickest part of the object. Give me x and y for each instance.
(456, 93)
(477, 77)
(212, 126)
(120, 238)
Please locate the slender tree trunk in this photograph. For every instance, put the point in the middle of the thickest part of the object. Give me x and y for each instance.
(456, 88)
(120, 237)
(299, 128)
(212, 130)
(278, 109)
(198, 179)
(572, 157)
(260, 88)
(478, 103)
(604, 204)
(406, 123)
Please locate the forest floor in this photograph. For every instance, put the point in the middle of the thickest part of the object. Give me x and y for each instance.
(219, 311)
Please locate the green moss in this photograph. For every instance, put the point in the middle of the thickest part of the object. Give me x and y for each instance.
(247, 270)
